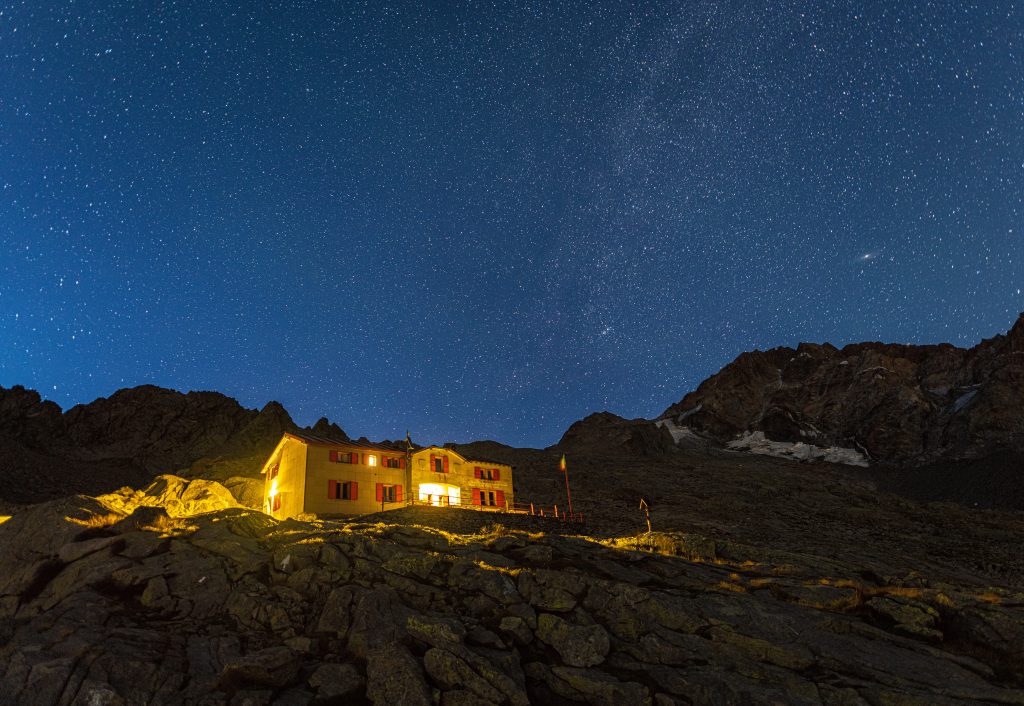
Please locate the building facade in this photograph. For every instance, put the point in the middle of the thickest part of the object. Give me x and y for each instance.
(313, 474)
(442, 476)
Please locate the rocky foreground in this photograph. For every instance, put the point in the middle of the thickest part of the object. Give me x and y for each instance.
(176, 594)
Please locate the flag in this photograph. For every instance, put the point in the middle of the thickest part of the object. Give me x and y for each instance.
(561, 464)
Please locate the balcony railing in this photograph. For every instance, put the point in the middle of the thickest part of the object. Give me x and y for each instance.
(518, 508)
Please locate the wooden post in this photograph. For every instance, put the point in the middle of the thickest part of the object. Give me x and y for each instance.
(531, 509)
(556, 511)
(647, 514)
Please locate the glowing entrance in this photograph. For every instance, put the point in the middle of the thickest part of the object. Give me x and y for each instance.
(440, 494)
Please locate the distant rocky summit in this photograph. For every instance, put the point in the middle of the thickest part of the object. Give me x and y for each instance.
(604, 432)
(903, 404)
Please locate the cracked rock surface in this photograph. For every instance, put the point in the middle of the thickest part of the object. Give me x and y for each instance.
(112, 601)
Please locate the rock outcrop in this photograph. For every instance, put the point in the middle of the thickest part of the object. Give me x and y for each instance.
(179, 497)
(231, 607)
(895, 403)
(607, 433)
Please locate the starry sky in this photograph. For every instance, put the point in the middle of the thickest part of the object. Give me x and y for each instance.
(489, 219)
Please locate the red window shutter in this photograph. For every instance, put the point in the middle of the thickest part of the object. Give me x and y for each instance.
(476, 496)
(398, 493)
(477, 472)
(499, 496)
(334, 456)
(380, 492)
(401, 463)
(332, 493)
(353, 493)
(445, 462)
(277, 503)
(433, 462)
(497, 474)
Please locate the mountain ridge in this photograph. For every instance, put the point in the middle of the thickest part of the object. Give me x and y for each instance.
(918, 412)
(900, 403)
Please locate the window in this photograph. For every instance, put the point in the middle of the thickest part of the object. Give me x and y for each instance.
(393, 462)
(342, 490)
(439, 464)
(489, 498)
(275, 503)
(371, 460)
(387, 493)
(344, 457)
(272, 474)
(486, 473)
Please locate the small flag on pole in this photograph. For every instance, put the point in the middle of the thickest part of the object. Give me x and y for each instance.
(568, 494)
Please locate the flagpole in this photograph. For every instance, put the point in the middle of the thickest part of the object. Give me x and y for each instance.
(568, 494)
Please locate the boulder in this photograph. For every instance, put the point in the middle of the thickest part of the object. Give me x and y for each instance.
(179, 497)
(337, 681)
(247, 492)
(273, 666)
(577, 645)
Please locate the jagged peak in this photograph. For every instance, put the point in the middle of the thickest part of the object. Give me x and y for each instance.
(325, 427)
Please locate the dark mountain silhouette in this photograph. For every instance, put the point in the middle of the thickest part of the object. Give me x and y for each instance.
(129, 437)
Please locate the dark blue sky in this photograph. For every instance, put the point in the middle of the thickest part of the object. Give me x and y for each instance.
(487, 220)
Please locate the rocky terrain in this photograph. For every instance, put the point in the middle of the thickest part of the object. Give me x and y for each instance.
(175, 594)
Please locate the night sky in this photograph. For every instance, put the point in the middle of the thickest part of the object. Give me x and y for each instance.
(488, 220)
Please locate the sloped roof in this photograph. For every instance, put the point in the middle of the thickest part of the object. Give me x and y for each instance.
(305, 437)
(467, 459)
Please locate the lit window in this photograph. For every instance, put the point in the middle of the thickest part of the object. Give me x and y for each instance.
(371, 460)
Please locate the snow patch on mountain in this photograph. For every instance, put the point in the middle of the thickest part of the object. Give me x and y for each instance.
(755, 442)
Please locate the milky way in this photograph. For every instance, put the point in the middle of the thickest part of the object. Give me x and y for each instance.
(491, 219)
